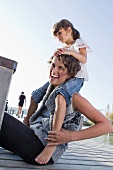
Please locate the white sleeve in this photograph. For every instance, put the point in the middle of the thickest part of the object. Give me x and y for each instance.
(80, 43)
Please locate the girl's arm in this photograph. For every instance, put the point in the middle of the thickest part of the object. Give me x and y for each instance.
(102, 125)
(59, 114)
(60, 111)
(81, 56)
(58, 117)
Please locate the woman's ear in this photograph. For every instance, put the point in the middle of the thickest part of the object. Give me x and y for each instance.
(68, 77)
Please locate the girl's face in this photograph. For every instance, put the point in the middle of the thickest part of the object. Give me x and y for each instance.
(64, 35)
(58, 72)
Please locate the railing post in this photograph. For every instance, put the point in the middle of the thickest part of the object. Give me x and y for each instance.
(7, 68)
(81, 122)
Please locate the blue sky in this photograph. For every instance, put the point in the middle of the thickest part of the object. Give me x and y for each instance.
(25, 36)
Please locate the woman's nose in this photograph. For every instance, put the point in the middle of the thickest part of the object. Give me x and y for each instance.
(55, 70)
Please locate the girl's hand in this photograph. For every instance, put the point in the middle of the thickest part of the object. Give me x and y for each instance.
(60, 51)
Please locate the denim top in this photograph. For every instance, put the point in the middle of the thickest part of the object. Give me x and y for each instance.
(40, 122)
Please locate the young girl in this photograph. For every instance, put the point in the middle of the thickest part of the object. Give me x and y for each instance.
(65, 32)
(75, 46)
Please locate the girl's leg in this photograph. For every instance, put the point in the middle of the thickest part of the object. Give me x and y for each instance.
(73, 85)
(70, 87)
(20, 139)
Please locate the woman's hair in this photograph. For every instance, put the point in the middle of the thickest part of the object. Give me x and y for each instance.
(71, 63)
(65, 24)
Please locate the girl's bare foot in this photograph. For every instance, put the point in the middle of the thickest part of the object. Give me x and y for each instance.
(45, 155)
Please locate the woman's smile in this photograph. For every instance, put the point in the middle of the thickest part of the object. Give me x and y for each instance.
(58, 72)
(54, 77)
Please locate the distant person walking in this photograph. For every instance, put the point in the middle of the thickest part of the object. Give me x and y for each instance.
(22, 99)
(6, 107)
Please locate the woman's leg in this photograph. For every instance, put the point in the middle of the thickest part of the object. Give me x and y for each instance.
(20, 139)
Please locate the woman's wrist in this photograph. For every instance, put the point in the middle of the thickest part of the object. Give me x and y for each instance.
(69, 136)
(72, 136)
(26, 120)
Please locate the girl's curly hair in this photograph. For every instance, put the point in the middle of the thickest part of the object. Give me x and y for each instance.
(64, 23)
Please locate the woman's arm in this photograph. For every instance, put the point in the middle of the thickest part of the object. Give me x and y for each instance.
(31, 110)
(102, 124)
(36, 97)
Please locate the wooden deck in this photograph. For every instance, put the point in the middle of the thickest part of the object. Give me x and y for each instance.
(81, 155)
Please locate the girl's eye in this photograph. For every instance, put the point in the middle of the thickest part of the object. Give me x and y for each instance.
(59, 33)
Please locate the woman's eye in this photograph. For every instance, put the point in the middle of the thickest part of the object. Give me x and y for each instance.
(53, 65)
(61, 68)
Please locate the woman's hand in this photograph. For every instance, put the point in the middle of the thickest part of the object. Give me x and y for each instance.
(26, 120)
(58, 137)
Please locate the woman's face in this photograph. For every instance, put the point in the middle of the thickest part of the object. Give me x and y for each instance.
(58, 72)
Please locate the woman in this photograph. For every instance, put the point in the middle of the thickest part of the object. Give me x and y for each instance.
(28, 142)
(61, 113)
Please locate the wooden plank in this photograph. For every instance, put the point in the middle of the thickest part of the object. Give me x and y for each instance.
(22, 165)
(81, 155)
